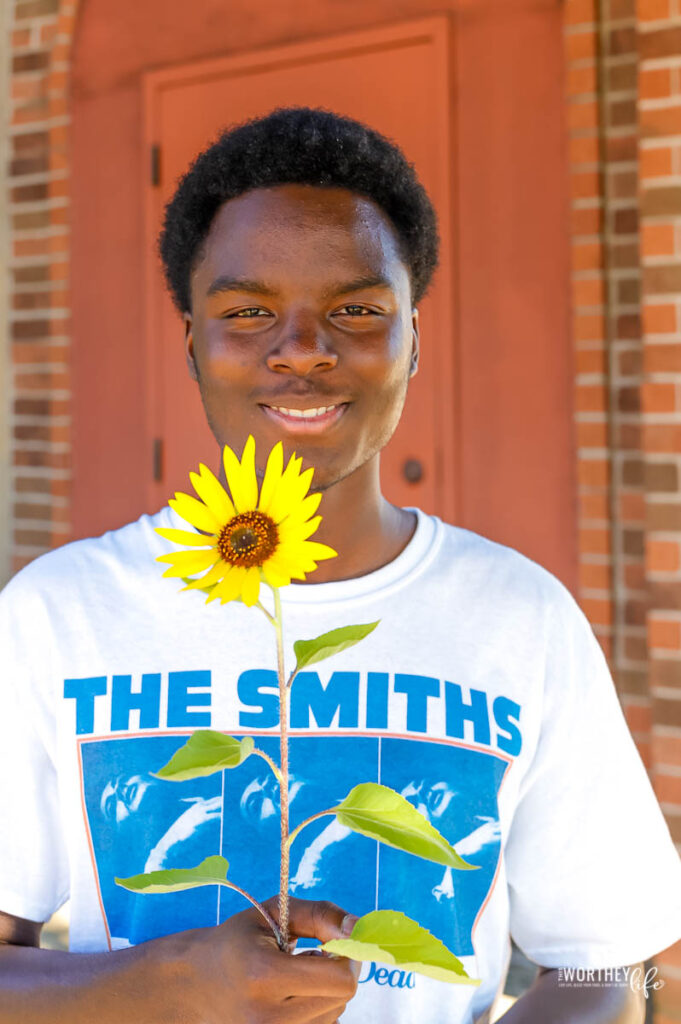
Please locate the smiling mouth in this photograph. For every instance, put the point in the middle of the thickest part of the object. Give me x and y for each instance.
(305, 421)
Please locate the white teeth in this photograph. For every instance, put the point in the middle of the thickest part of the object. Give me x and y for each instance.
(304, 414)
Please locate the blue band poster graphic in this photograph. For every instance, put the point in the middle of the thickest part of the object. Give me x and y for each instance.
(138, 823)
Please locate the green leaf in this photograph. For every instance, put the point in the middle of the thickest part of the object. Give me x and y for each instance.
(310, 651)
(206, 751)
(211, 871)
(380, 813)
(389, 937)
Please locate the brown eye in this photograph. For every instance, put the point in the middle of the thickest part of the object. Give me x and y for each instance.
(355, 310)
(250, 311)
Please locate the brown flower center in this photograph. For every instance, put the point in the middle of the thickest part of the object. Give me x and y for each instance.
(248, 539)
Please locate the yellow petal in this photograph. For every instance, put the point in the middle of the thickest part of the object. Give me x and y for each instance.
(218, 572)
(273, 471)
(285, 565)
(318, 551)
(291, 530)
(185, 537)
(274, 576)
(187, 563)
(211, 491)
(195, 513)
(289, 492)
(230, 587)
(241, 478)
(250, 588)
(307, 508)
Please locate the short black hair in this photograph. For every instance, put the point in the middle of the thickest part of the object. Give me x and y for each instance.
(306, 146)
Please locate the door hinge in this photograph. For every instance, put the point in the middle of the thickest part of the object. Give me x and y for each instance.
(157, 458)
(155, 165)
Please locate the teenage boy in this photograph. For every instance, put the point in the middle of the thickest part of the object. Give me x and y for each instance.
(297, 249)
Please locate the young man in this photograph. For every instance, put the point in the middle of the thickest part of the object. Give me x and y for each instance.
(297, 249)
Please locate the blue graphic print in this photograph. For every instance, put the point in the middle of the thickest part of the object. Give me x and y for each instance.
(139, 823)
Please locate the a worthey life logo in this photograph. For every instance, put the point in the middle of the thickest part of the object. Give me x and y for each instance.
(636, 978)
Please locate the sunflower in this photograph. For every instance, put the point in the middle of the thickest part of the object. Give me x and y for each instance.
(247, 538)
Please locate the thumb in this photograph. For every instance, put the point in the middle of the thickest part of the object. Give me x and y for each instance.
(315, 919)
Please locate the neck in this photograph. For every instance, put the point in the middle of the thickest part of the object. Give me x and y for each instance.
(361, 525)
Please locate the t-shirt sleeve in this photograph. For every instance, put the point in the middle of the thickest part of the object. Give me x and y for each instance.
(34, 877)
(594, 877)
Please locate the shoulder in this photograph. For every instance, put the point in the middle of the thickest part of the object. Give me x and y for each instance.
(497, 574)
(82, 563)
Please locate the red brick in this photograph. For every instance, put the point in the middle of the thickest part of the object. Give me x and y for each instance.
(662, 437)
(591, 398)
(667, 788)
(655, 83)
(589, 292)
(590, 360)
(578, 12)
(664, 634)
(593, 472)
(634, 576)
(666, 750)
(663, 555)
(659, 318)
(581, 80)
(584, 150)
(597, 610)
(658, 397)
(655, 163)
(580, 45)
(662, 358)
(660, 121)
(631, 508)
(594, 577)
(594, 541)
(654, 10)
(589, 327)
(639, 719)
(657, 240)
(582, 115)
(587, 221)
(594, 506)
(588, 256)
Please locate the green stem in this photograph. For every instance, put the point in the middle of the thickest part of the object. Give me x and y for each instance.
(266, 757)
(283, 778)
(269, 617)
(307, 821)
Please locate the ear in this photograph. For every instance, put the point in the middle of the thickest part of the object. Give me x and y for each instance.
(413, 370)
(189, 347)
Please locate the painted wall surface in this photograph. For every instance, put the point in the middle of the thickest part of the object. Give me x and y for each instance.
(510, 190)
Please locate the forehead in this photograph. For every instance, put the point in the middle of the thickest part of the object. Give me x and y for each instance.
(301, 230)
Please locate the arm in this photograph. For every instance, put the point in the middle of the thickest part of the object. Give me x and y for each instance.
(546, 1001)
(227, 974)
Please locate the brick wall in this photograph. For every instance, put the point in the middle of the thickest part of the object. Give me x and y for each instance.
(41, 34)
(623, 84)
(659, 114)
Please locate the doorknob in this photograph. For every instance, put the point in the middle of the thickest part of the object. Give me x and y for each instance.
(412, 470)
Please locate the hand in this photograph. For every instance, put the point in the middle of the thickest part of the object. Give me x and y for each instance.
(235, 973)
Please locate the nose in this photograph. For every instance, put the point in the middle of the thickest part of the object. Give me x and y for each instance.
(302, 347)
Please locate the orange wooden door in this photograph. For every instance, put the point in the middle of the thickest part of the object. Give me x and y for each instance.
(395, 80)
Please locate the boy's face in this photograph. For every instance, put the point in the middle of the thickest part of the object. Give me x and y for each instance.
(301, 301)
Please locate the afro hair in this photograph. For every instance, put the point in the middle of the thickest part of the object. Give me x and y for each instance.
(306, 146)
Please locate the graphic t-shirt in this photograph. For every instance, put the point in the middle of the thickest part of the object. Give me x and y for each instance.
(482, 697)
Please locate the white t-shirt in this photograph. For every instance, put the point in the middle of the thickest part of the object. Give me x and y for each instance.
(482, 696)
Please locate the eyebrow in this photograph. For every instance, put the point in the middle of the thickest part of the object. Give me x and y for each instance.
(241, 284)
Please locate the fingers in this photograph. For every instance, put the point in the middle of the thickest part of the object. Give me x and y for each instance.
(313, 919)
